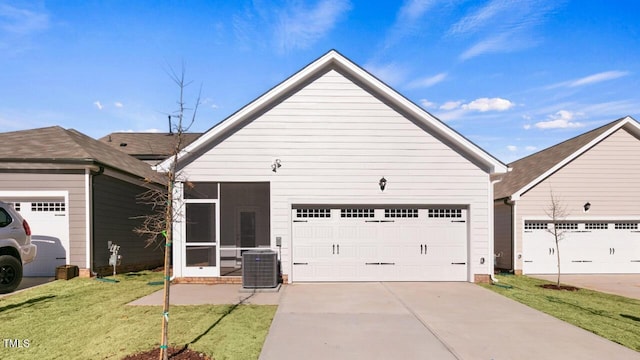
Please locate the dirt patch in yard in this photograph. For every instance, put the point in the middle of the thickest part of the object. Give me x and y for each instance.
(174, 354)
(560, 287)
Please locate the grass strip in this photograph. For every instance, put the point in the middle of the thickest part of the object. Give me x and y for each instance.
(89, 319)
(613, 317)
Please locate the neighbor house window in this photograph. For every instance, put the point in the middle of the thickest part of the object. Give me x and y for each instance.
(596, 226)
(313, 213)
(567, 226)
(626, 226)
(535, 225)
(356, 213)
(48, 206)
(401, 213)
(445, 213)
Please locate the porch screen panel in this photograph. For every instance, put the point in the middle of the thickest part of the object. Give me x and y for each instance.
(201, 223)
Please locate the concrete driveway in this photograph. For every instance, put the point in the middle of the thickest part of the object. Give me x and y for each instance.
(627, 285)
(421, 321)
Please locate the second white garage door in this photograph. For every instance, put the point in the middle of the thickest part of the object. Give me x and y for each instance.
(359, 243)
(49, 224)
(593, 247)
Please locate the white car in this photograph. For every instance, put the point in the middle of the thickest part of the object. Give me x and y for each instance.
(16, 249)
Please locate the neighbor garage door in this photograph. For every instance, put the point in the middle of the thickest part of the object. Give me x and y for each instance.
(587, 247)
(49, 232)
(360, 243)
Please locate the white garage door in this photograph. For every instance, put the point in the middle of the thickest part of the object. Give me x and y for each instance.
(355, 243)
(592, 247)
(49, 231)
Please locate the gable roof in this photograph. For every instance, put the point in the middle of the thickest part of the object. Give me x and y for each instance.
(147, 146)
(335, 60)
(57, 145)
(531, 170)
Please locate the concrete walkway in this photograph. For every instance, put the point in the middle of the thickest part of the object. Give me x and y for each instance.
(627, 285)
(199, 294)
(421, 321)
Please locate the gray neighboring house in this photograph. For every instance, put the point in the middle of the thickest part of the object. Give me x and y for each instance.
(151, 148)
(77, 194)
(596, 176)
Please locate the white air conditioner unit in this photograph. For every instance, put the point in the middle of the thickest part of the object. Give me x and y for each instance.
(259, 269)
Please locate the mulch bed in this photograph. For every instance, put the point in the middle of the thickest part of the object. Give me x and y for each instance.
(174, 354)
(561, 287)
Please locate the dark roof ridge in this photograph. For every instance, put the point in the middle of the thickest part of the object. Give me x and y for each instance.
(590, 132)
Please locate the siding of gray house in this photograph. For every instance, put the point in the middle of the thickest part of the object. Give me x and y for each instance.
(115, 206)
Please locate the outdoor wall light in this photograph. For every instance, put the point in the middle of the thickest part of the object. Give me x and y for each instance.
(587, 206)
(382, 183)
(481, 260)
(276, 165)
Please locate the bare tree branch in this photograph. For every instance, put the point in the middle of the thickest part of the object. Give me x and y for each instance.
(557, 212)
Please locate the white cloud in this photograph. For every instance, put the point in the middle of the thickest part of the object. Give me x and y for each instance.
(22, 21)
(527, 126)
(427, 81)
(118, 104)
(489, 104)
(450, 105)
(427, 104)
(480, 18)
(407, 20)
(512, 148)
(596, 78)
(531, 148)
(591, 79)
(560, 120)
(299, 27)
(413, 10)
(391, 73)
(493, 44)
(98, 105)
(502, 26)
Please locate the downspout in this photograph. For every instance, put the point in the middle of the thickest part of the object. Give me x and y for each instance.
(92, 175)
(492, 255)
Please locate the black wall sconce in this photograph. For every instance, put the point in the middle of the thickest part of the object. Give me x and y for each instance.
(481, 260)
(587, 206)
(276, 165)
(382, 183)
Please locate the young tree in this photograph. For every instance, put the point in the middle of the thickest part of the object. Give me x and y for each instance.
(557, 212)
(157, 227)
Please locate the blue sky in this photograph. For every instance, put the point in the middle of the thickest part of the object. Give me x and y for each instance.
(512, 76)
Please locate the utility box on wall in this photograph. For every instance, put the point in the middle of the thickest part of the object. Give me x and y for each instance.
(259, 269)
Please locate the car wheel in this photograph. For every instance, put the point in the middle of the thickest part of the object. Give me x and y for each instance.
(10, 273)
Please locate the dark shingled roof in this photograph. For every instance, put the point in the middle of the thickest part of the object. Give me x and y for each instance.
(147, 146)
(527, 169)
(58, 145)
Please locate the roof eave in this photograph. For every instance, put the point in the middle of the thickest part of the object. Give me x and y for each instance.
(627, 121)
(492, 164)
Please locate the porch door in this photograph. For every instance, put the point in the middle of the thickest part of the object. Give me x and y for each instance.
(202, 231)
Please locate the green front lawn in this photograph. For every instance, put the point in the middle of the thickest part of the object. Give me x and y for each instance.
(89, 319)
(613, 317)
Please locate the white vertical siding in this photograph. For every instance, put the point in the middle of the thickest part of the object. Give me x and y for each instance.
(607, 176)
(335, 141)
